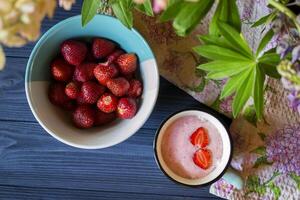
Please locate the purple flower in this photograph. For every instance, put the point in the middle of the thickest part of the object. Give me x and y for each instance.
(283, 149)
(294, 98)
(223, 189)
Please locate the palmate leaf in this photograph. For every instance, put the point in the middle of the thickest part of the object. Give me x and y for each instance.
(172, 10)
(258, 91)
(190, 15)
(235, 38)
(264, 41)
(265, 19)
(122, 10)
(227, 12)
(243, 93)
(89, 10)
(214, 52)
(233, 83)
(145, 7)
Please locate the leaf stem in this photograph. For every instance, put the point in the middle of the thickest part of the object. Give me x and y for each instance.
(282, 8)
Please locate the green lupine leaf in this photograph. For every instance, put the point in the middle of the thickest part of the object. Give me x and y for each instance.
(221, 74)
(145, 7)
(234, 37)
(227, 12)
(172, 10)
(258, 92)
(264, 41)
(261, 161)
(233, 83)
(214, 52)
(250, 115)
(190, 15)
(243, 93)
(234, 16)
(265, 19)
(270, 70)
(270, 59)
(276, 190)
(122, 10)
(220, 13)
(260, 150)
(88, 11)
(296, 179)
(225, 65)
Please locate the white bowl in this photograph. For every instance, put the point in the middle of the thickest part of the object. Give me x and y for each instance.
(53, 119)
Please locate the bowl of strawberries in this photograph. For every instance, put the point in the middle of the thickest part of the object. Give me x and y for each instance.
(91, 87)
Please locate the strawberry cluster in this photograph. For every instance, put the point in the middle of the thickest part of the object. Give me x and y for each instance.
(96, 81)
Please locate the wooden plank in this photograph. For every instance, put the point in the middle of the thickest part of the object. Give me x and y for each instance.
(29, 157)
(27, 193)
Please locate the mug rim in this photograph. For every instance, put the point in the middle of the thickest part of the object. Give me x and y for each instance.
(28, 73)
(156, 154)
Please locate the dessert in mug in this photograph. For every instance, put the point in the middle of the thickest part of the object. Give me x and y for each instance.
(191, 147)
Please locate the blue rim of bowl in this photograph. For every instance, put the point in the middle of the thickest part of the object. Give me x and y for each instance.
(161, 167)
(42, 39)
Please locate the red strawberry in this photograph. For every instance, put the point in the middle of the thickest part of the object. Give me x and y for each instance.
(127, 63)
(118, 86)
(102, 47)
(72, 90)
(84, 72)
(84, 116)
(73, 51)
(91, 91)
(135, 89)
(57, 94)
(103, 73)
(202, 158)
(80, 100)
(61, 70)
(107, 103)
(114, 56)
(104, 118)
(200, 137)
(126, 108)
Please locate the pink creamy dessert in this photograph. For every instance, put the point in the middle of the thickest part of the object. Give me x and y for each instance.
(178, 151)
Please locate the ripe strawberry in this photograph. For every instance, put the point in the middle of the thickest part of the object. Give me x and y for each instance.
(80, 100)
(126, 108)
(57, 94)
(84, 72)
(91, 91)
(202, 158)
(114, 56)
(118, 86)
(135, 89)
(84, 116)
(127, 63)
(104, 118)
(102, 47)
(107, 103)
(103, 73)
(72, 90)
(61, 70)
(73, 51)
(200, 137)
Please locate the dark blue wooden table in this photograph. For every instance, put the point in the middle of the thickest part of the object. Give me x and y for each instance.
(33, 165)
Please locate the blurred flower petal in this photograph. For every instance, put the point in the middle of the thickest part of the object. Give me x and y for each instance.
(2, 58)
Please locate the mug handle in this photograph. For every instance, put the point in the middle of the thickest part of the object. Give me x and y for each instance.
(231, 176)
